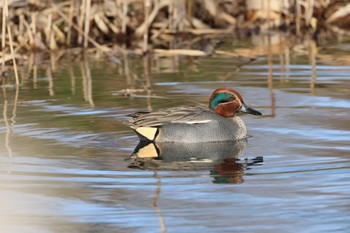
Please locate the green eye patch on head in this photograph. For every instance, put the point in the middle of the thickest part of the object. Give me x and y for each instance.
(221, 97)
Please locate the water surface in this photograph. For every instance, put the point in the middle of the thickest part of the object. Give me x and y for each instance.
(66, 156)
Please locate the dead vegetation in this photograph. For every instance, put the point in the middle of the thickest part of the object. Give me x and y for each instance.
(115, 27)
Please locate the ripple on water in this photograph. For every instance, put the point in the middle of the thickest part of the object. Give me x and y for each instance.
(67, 165)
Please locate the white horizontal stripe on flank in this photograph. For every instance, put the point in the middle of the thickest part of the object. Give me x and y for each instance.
(197, 122)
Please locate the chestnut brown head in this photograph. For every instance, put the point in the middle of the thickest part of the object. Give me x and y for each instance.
(227, 102)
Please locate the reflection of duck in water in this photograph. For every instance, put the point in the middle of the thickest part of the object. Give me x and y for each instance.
(221, 158)
(196, 124)
(232, 170)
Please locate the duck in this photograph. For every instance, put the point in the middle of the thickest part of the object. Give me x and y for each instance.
(216, 122)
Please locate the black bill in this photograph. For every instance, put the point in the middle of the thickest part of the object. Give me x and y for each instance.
(248, 110)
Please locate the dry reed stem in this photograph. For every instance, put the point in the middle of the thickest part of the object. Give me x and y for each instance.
(269, 22)
(13, 55)
(3, 34)
(124, 16)
(182, 18)
(21, 29)
(298, 17)
(29, 33)
(147, 5)
(70, 22)
(309, 11)
(48, 29)
(87, 22)
(33, 22)
(173, 16)
(170, 18)
(81, 22)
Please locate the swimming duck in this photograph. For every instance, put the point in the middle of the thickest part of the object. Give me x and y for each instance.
(195, 124)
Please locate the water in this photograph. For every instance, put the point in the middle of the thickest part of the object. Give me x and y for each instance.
(67, 163)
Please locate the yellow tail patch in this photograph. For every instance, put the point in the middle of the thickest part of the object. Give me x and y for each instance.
(147, 132)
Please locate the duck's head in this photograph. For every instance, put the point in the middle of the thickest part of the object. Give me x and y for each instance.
(227, 102)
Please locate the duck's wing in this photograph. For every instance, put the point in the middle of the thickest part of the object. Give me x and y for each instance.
(187, 115)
